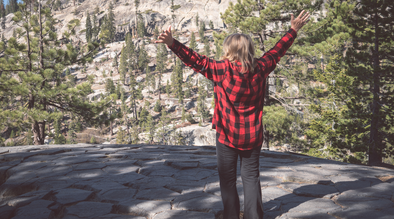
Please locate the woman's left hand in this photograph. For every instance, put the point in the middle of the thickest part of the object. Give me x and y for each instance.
(166, 37)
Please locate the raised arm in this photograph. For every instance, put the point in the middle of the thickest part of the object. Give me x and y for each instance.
(272, 57)
(211, 69)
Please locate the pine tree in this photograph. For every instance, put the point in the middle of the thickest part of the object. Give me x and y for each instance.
(39, 62)
(95, 27)
(29, 135)
(2, 14)
(93, 140)
(59, 138)
(136, 4)
(115, 62)
(201, 31)
(132, 54)
(196, 20)
(207, 49)
(72, 137)
(107, 33)
(201, 107)
(360, 116)
(157, 107)
(123, 65)
(150, 128)
(161, 59)
(168, 88)
(211, 25)
(183, 118)
(141, 31)
(164, 121)
(57, 6)
(109, 86)
(178, 81)
(12, 135)
(88, 28)
(193, 44)
(150, 78)
(143, 58)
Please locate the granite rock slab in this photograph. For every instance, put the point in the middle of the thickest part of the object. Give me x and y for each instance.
(168, 181)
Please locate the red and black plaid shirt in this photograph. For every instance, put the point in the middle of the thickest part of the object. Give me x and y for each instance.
(239, 97)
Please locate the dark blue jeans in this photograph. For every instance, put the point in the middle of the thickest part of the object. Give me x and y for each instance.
(250, 173)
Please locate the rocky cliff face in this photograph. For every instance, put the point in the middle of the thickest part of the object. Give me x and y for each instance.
(154, 12)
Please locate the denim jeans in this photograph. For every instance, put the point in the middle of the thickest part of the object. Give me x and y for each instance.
(227, 168)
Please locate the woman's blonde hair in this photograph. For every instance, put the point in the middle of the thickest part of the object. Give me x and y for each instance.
(239, 47)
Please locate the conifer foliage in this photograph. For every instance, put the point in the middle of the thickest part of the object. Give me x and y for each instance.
(356, 115)
(31, 74)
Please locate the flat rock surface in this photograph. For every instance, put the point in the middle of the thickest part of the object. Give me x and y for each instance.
(164, 181)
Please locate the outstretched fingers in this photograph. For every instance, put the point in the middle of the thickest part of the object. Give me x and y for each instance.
(300, 15)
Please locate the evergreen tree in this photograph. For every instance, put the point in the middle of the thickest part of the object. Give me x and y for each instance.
(207, 49)
(123, 65)
(95, 27)
(132, 54)
(150, 78)
(193, 44)
(157, 107)
(168, 88)
(201, 31)
(164, 121)
(357, 112)
(143, 58)
(88, 28)
(211, 25)
(201, 107)
(110, 25)
(29, 135)
(183, 118)
(93, 140)
(196, 20)
(72, 137)
(57, 6)
(12, 135)
(115, 62)
(141, 31)
(178, 81)
(150, 128)
(59, 138)
(161, 59)
(2, 14)
(110, 86)
(136, 4)
(38, 61)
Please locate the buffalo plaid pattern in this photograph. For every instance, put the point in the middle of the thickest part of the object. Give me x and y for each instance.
(239, 97)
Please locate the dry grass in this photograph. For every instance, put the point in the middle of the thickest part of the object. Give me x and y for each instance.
(183, 125)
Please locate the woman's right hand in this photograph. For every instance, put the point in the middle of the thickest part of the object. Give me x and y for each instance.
(300, 21)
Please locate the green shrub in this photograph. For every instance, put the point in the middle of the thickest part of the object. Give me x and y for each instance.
(190, 119)
(157, 107)
(93, 140)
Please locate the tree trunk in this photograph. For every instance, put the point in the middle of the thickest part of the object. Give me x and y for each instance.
(375, 142)
(38, 132)
(265, 131)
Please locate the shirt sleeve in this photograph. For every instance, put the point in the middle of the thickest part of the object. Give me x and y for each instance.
(211, 69)
(272, 57)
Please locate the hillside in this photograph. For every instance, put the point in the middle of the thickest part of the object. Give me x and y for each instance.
(155, 14)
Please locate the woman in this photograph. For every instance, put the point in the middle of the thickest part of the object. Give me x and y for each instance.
(239, 88)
